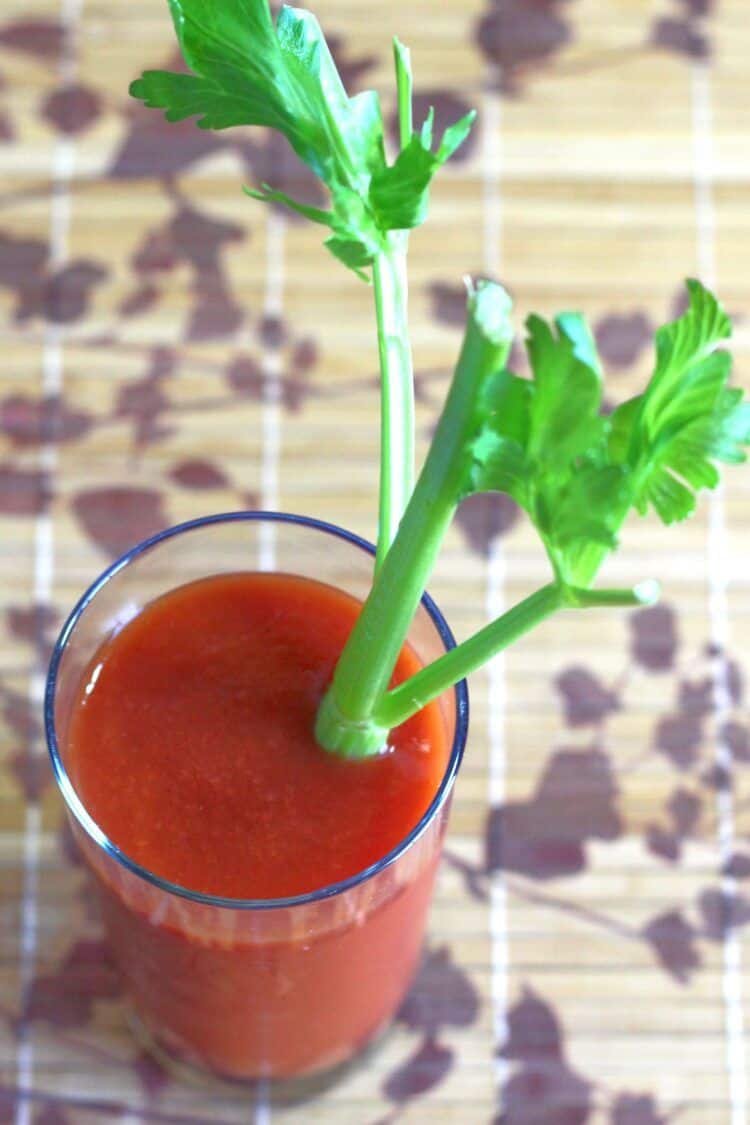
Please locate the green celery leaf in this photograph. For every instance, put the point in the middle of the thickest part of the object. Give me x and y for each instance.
(577, 473)
(699, 388)
(205, 29)
(246, 71)
(728, 429)
(356, 239)
(681, 345)
(189, 95)
(686, 456)
(565, 418)
(340, 139)
(579, 514)
(499, 465)
(687, 419)
(399, 194)
(232, 49)
(455, 135)
(587, 505)
(427, 128)
(576, 331)
(623, 431)
(671, 499)
(543, 442)
(508, 400)
(268, 195)
(355, 255)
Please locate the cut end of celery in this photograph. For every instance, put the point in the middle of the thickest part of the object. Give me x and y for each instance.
(647, 592)
(490, 307)
(339, 735)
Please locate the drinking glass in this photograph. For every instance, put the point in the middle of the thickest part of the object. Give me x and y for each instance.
(274, 988)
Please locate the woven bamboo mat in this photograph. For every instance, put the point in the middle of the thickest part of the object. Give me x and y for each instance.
(171, 348)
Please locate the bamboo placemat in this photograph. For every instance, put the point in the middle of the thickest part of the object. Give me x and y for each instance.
(170, 348)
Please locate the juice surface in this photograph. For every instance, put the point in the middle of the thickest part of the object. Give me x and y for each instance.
(192, 745)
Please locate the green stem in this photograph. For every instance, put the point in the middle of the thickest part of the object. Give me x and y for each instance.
(645, 593)
(404, 84)
(397, 391)
(396, 371)
(345, 721)
(430, 682)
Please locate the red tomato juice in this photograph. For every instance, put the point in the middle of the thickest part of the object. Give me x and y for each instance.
(191, 745)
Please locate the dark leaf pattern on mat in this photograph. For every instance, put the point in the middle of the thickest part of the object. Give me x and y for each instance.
(654, 638)
(680, 36)
(545, 837)
(636, 1109)
(59, 296)
(20, 718)
(448, 303)
(521, 38)
(622, 338)
(197, 240)
(680, 738)
(139, 300)
(544, 1088)
(31, 772)
(145, 403)
(51, 1115)
(585, 699)
(65, 998)
(244, 375)
(67, 293)
(28, 421)
(673, 940)
(685, 32)
(41, 38)
(737, 738)
(33, 624)
(23, 492)
(683, 811)
(485, 517)
(681, 734)
(738, 866)
(153, 148)
(198, 474)
(20, 714)
(152, 1076)
(517, 36)
(576, 800)
(733, 681)
(72, 109)
(722, 912)
(22, 263)
(116, 518)
(85, 892)
(533, 1030)
(7, 130)
(441, 997)
(424, 1069)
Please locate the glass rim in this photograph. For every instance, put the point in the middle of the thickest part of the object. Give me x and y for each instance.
(76, 806)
